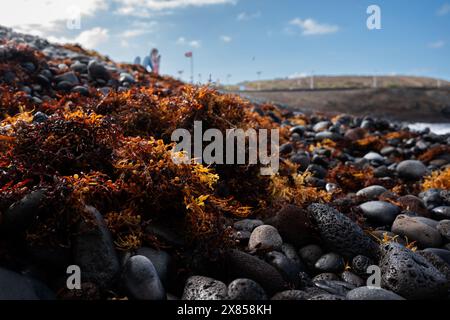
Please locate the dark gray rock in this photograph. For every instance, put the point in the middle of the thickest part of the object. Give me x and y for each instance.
(291, 295)
(380, 212)
(410, 275)
(293, 225)
(415, 230)
(291, 253)
(338, 288)
(437, 262)
(247, 224)
(327, 297)
(126, 77)
(442, 212)
(340, 234)
(245, 289)
(243, 265)
(79, 67)
(265, 238)
(81, 90)
(444, 228)
(160, 259)
(141, 279)
(372, 192)
(204, 288)
(288, 268)
(330, 262)
(39, 117)
(69, 77)
(360, 264)
(20, 215)
(325, 276)
(411, 170)
(352, 278)
(96, 70)
(441, 253)
(310, 254)
(94, 250)
(14, 286)
(372, 293)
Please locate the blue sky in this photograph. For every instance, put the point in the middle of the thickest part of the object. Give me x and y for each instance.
(281, 38)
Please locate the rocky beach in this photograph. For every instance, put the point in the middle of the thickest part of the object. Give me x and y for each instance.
(359, 209)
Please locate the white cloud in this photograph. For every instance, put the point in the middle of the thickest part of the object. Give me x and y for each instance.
(191, 43)
(143, 7)
(437, 44)
(311, 27)
(246, 16)
(226, 39)
(138, 29)
(46, 13)
(89, 39)
(444, 10)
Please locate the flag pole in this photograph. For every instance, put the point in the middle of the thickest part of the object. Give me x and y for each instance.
(192, 68)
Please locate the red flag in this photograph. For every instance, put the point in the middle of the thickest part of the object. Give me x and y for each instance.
(188, 54)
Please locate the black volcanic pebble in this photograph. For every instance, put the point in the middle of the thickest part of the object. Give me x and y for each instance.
(352, 278)
(293, 225)
(410, 275)
(327, 297)
(339, 288)
(291, 295)
(288, 268)
(244, 265)
(330, 262)
(360, 264)
(310, 254)
(94, 250)
(204, 288)
(97, 71)
(339, 233)
(245, 289)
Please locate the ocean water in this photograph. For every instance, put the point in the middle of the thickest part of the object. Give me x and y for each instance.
(437, 128)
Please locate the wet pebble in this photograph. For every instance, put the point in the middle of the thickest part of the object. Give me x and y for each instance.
(245, 289)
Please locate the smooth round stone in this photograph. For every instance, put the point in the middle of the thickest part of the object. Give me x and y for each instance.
(64, 86)
(441, 253)
(380, 211)
(69, 77)
(372, 192)
(14, 286)
(96, 70)
(79, 67)
(321, 126)
(355, 134)
(442, 212)
(244, 265)
(141, 279)
(410, 275)
(339, 288)
(432, 198)
(293, 225)
(286, 148)
(327, 135)
(291, 253)
(372, 293)
(302, 159)
(160, 259)
(94, 250)
(40, 117)
(204, 288)
(245, 289)
(411, 170)
(291, 295)
(415, 230)
(287, 268)
(247, 224)
(310, 254)
(265, 237)
(373, 156)
(444, 228)
(330, 262)
(126, 77)
(81, 90)
(352, 278)
(21, 214)
(298, 129)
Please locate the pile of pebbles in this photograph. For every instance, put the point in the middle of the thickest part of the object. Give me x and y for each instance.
(319, 251)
